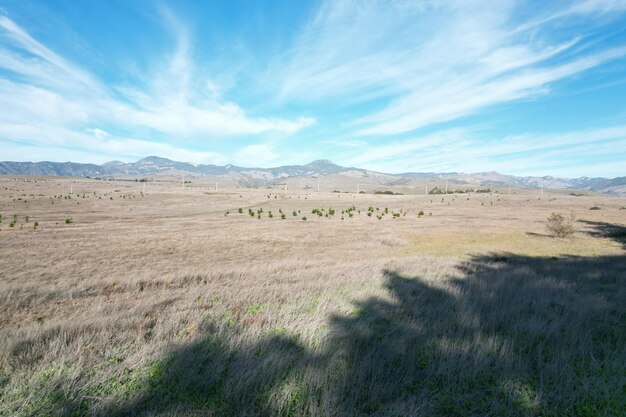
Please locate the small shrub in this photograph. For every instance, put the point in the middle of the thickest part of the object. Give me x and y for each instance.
(282, 216)
(68, 220)
(294, 213)
(304, 218)
(35, 225)
(421, 213)
(595, 208)
(558, 225)
(240, 210)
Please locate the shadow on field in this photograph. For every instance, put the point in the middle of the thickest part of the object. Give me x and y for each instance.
(508, 335)
(607, 230)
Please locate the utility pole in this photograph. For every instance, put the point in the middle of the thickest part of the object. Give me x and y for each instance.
(183, 181)
(318, 184)
(71, 188)
(357, 188)
(215, 186)
(446, 186)
(509, 191)
(426, 189)
(285, 188)
(144, 187)
(541, 196)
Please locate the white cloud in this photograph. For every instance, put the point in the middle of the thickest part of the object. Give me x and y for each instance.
(100, 143)
(470, 151)
(42, 89)
(432, 62)
(99, 133)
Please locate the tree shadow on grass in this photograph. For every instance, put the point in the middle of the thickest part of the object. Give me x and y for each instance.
(506, 335)
(612, 231)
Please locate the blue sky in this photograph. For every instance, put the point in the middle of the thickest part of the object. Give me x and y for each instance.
(520, 87)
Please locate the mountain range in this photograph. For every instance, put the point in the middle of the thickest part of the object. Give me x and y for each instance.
(334, 175)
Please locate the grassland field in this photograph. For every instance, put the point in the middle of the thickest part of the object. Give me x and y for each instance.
(168, 301)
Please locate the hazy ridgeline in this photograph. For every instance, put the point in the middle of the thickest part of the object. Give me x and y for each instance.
(161, 304)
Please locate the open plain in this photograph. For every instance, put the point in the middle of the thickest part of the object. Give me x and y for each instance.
(117, 299)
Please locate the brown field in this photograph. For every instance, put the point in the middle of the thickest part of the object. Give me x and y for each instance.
(161, 304)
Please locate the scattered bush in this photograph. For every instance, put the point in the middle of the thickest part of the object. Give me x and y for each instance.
(68, 220)
(240, 210)
(387, 192)
(304, 218)
(558, 225)
(595, 208)
(35, 225)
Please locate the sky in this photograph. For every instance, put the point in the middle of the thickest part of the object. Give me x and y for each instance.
(518, 87)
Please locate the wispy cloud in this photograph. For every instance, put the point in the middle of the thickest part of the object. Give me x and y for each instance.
(432, 62)
(47, 92)
(387, 85)
(98, 142)
(470, 150)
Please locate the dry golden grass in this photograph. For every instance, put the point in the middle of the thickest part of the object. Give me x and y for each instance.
(160, 304)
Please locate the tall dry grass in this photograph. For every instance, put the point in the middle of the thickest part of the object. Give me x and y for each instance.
(161, 305)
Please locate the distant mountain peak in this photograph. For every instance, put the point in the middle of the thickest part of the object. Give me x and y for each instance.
(152, 166)
(155, 160)
(322, 163)
(113, 164)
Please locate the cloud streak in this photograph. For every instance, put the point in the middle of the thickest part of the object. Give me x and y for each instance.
(46, 92)
(434, 62)
(469, 150)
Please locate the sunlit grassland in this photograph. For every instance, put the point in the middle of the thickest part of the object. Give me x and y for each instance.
(160, 304)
